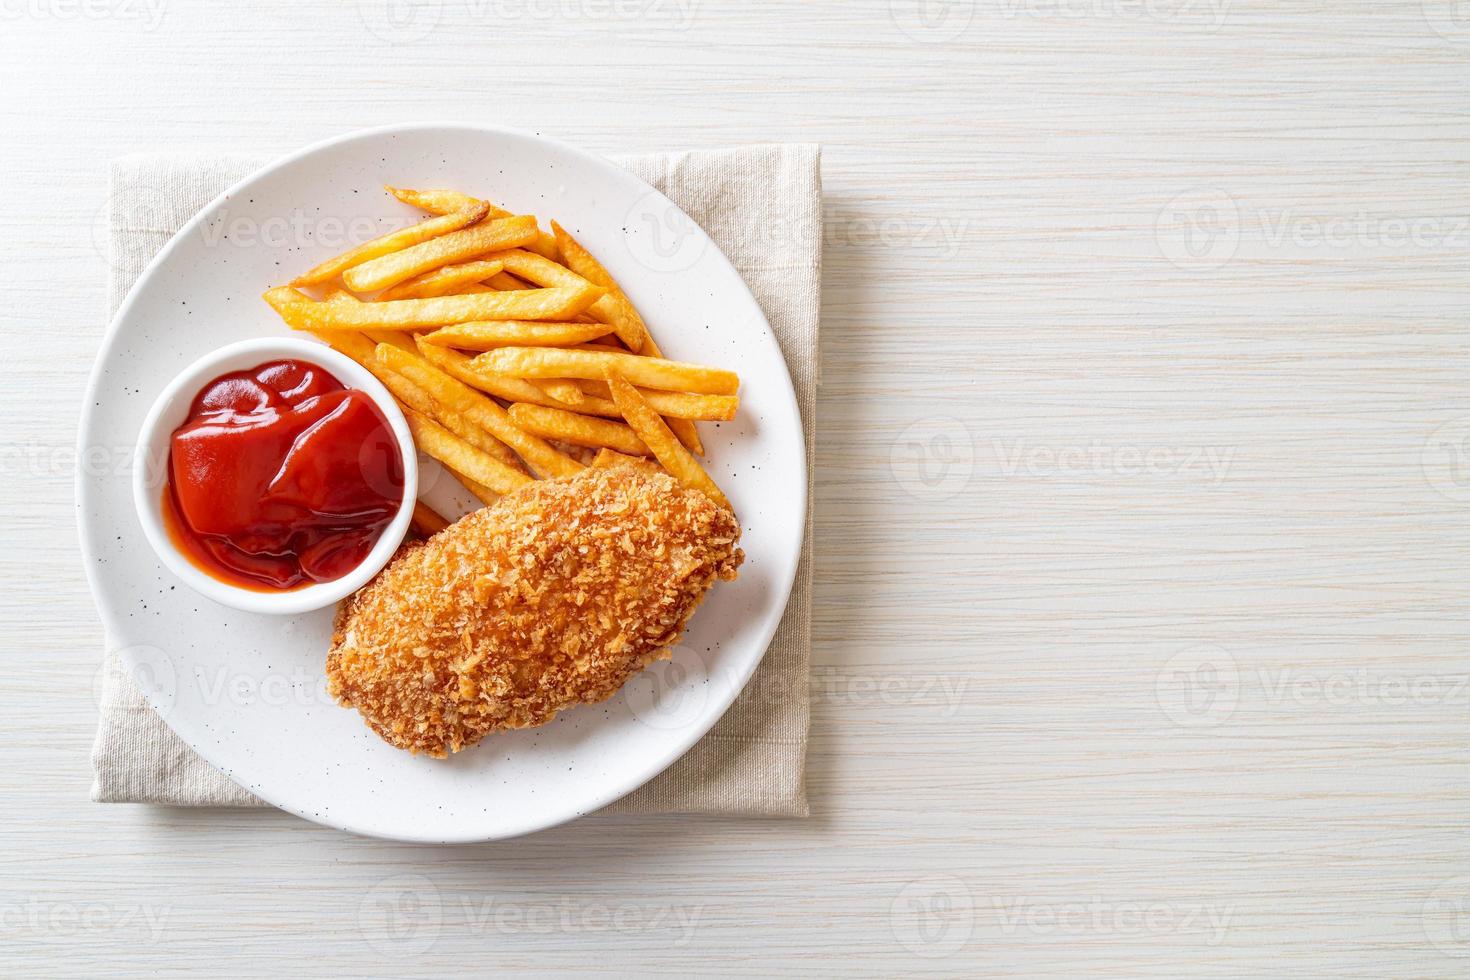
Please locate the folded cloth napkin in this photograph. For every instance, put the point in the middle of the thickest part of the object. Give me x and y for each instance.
(752, 762)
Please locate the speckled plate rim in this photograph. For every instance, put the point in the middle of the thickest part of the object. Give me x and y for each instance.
(652, 766)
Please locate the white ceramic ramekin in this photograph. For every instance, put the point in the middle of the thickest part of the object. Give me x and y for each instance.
(150, 472)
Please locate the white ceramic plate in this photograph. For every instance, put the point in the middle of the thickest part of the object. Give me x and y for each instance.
(247, 691)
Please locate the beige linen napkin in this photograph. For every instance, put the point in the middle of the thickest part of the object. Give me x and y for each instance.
(752, 763)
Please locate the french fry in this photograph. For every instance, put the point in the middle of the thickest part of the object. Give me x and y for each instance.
(458, 366)
(505, 282)
(681, 425)
(655, 434)
(649, 372)
(415, 397)
(433, 201)
(363, 349)
(536, 268)
(444, 201)
(672, 405)
(579, 430)
(683, 430)
(489, 334)
(442, 281)
(460, 456)
(303, 313)
(392, 242)
(545, 272)
(621, 313)
(395, 337)
(349, 342)
(481, 411)
(426, 520)
(282, 298)
(562, 390)
(457, 246)
(607, 459)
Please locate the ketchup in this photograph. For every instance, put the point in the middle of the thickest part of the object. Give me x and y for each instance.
(281, 477)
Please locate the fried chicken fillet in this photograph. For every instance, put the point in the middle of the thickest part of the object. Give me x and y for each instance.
(552, 597)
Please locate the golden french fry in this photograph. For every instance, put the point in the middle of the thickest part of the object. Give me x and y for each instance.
(390, 243)
(434, 201)
(649, 372)
(545, 245)
(480, 410)
(349, 342)
(562, 390)
(672, 405)
(655, 434)
(442, 281)
(395, 337)
(458, 366)
(363, 349)
(536, 268)
(546, 272)
(607, 459)
(457, 246)
(621, 313)
(505, 282)
(415, 397)
(580, 430)
(460, 456)
(683, 429)
(444, 201)
(489, 334)
(303, 313)
(426, 520)
(282, 298)
(681, 424)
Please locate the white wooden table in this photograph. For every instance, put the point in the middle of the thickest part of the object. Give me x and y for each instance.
(1143, 618)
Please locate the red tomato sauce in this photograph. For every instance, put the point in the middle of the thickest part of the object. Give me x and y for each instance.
(281, 477)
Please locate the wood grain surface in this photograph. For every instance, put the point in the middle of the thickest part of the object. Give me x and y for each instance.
(1143, 474)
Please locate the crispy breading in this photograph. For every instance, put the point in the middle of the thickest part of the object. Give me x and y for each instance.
(552, 597)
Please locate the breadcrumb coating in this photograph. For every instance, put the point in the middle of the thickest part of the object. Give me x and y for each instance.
(552, 597)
